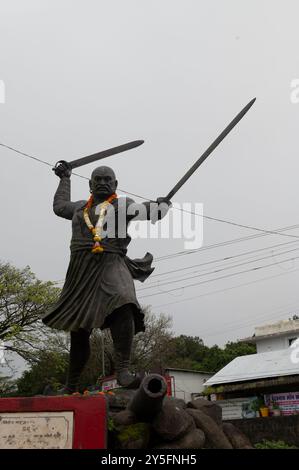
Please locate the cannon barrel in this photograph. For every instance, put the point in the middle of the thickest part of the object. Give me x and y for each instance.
(148, 399)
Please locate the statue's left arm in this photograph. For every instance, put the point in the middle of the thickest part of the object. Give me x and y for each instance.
(149, 210)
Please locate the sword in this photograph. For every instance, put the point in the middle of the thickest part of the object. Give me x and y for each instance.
(210, 149)
(98, 156)
(231, 125)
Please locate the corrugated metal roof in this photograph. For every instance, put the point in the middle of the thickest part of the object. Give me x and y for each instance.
(256, 366)
(188, 370)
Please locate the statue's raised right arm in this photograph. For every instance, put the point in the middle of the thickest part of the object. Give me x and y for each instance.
(62, 204)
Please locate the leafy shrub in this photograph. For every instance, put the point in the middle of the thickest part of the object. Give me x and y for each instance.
(265, 444)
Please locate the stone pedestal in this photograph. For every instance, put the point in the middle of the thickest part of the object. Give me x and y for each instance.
(62, 422)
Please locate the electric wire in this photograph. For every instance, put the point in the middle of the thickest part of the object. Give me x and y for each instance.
(218, 291)
(215, 271)
(224, 259)
(215, 219)
(257, 268)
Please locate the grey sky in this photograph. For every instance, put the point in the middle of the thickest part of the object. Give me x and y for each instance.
(85, 76)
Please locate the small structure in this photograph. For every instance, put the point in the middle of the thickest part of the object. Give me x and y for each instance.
(181, 383)
(275, 336)
(272, 375)
(186, 384)
(108, 382)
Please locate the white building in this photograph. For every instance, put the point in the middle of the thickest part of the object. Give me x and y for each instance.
(276, 336)
(186, 384)
(272, 372)
(254, 367)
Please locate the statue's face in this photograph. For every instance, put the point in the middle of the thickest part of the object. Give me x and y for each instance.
(103, 182)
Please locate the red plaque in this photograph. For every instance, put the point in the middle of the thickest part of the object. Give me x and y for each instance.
(76, 422)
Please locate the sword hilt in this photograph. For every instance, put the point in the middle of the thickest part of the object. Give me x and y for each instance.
(61, 162)
(58, 163)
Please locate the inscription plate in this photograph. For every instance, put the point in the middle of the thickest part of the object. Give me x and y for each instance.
(37, 430)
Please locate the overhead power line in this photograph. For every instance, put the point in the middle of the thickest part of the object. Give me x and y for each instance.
(252, 321)
(221, 244)
(219, 291)
(219, 278)
(225, 258)
(215, 219)
(224, 261)
(161, 284)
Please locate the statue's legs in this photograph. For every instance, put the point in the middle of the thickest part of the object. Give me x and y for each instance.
(122, 329)
(79, 355)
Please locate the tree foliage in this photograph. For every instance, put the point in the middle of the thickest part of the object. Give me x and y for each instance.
(186, 352)
(189, 352)
(7, 386)
(150, 348)
(50, 368)
(49, 365)
(23, 300)
(153, 350)
(148, 351)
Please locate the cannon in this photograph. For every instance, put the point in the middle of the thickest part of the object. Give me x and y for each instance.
(148, 399)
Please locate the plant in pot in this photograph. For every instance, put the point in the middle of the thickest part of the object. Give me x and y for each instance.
(276, 411)
(259, 405)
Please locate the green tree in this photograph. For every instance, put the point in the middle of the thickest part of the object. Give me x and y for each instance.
(101, 358)
(49, 368)
(189, 352)
(8, 386)
(238, 348)
(217, 357)
(186, 352)
(150, 348)
(23, 300)
(149, 351)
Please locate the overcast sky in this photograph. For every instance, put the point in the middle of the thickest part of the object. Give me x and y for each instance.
(84, 76)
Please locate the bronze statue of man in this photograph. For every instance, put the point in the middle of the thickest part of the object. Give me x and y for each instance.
(99, 291)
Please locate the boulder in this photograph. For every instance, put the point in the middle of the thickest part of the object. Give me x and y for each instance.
(237, 439)
(210, 408)
(179, 402)
(118, 399)
(124, 418)
(172, 422)
(216, 439)
(195, 439)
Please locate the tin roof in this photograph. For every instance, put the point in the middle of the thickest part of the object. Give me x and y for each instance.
(258, 366)
(172, 369)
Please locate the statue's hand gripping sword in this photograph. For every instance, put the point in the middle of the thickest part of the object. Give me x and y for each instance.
(98, 156)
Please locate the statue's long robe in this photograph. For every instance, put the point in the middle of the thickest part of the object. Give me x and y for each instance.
(96, 283)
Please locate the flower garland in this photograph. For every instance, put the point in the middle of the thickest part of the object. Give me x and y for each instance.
(97, 229)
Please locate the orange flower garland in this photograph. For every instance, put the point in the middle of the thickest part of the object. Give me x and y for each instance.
(97, 229)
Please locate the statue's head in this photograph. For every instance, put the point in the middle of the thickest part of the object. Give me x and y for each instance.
(103, 182)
